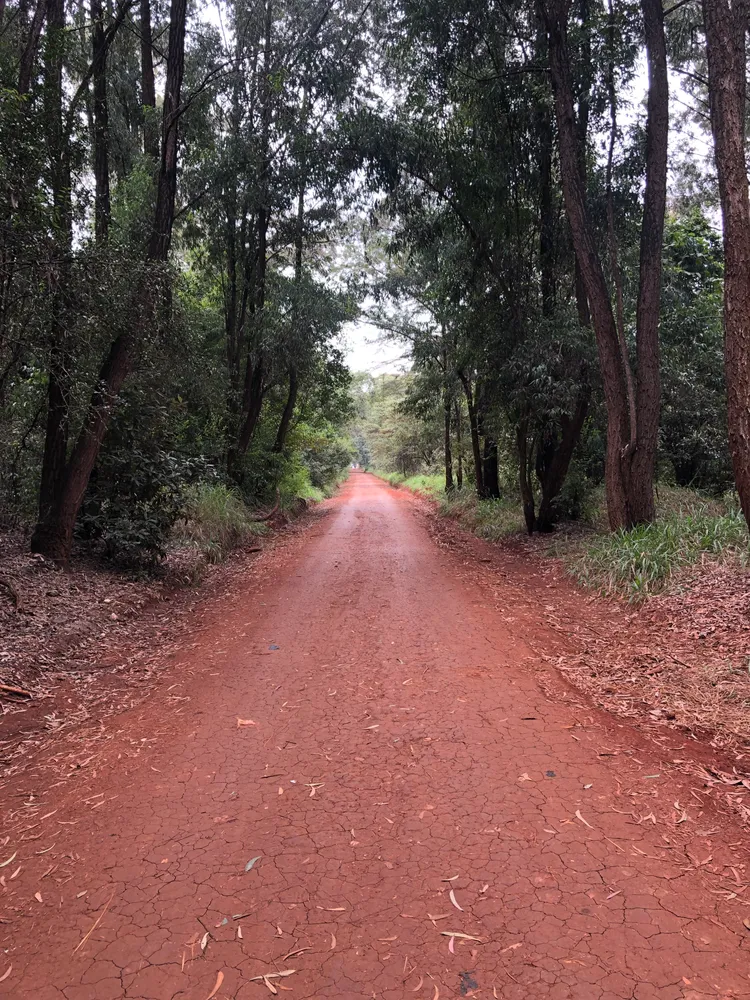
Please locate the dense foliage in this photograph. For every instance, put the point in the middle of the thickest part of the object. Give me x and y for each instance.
(196, 201)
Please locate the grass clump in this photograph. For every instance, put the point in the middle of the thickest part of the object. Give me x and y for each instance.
(217, 521)
(492, 520)
(642, 561)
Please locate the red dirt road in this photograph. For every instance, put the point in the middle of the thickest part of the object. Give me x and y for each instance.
(404, 777)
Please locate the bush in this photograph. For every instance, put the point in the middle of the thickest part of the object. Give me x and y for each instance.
(216, 520)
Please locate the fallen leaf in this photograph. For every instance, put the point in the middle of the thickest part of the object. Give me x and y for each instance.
(436, 994)
(333, 942)
(96, 923)
(270, 985)
(6, 973)
(419, 985)
(746, 922)
(4, 864)
(578, 816)
(272, 975)
(38, 897)
(453, 900)
(239, 933)
(512, 947)
(245, 722)
(464, 937)
(204, 941)
(217, 986)
(252, 861)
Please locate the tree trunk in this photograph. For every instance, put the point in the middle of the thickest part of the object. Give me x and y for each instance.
(553, 476)
(255, 368)
(490, 469)
(524, 478)
(629, 483)
(148, 85)
(459, 448)
(286, 416)
(474, 429)
(648, 381)
(53, 534)
(726, 27)
(447, 454)
(102, 209)
(29, 46)
(58, 372)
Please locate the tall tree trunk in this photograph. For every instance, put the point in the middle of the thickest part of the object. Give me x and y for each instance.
(553, 476)
(53, 535)
(459, 448)
(102, 210)
(476, 449)
(648, 380)
(629, 482)
(58, 374)
(29, 46)
(524, 476)
(726, 23)
(490, 469)
(255, 369)
(148, 85)
(286, 416)
(447, 453)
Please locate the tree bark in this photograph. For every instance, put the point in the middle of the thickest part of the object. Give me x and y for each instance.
(148, 85)
(490, 469)
(58, 373)
(524, 479)
(474, 430)
(255, 367)
(554, 475)
(29, 46)
(459, 448)
(629, 482)
(102, 209)
(648, 380)
(286, 416)
(726, 23)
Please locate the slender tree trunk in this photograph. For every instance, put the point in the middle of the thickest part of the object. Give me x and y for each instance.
(447, 453)
(148, 85)
(53, 535)
(58, 374)
(554, 475)
(255, 370)
(102, 210)
(286, 416)
(648, 380)
(524, 478)
(490, 469)
(476, 449)
(459, 448)
(726, 24)
(29, 46)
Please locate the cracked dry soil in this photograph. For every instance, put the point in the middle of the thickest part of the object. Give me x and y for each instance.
(402, 779)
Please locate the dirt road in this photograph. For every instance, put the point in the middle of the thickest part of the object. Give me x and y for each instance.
(359, 778)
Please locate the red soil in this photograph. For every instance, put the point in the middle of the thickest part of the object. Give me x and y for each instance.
(377, 726)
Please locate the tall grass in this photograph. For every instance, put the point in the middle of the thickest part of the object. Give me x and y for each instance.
(216, 521)
(642, 561)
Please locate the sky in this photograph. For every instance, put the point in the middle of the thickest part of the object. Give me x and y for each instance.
(366, 351)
